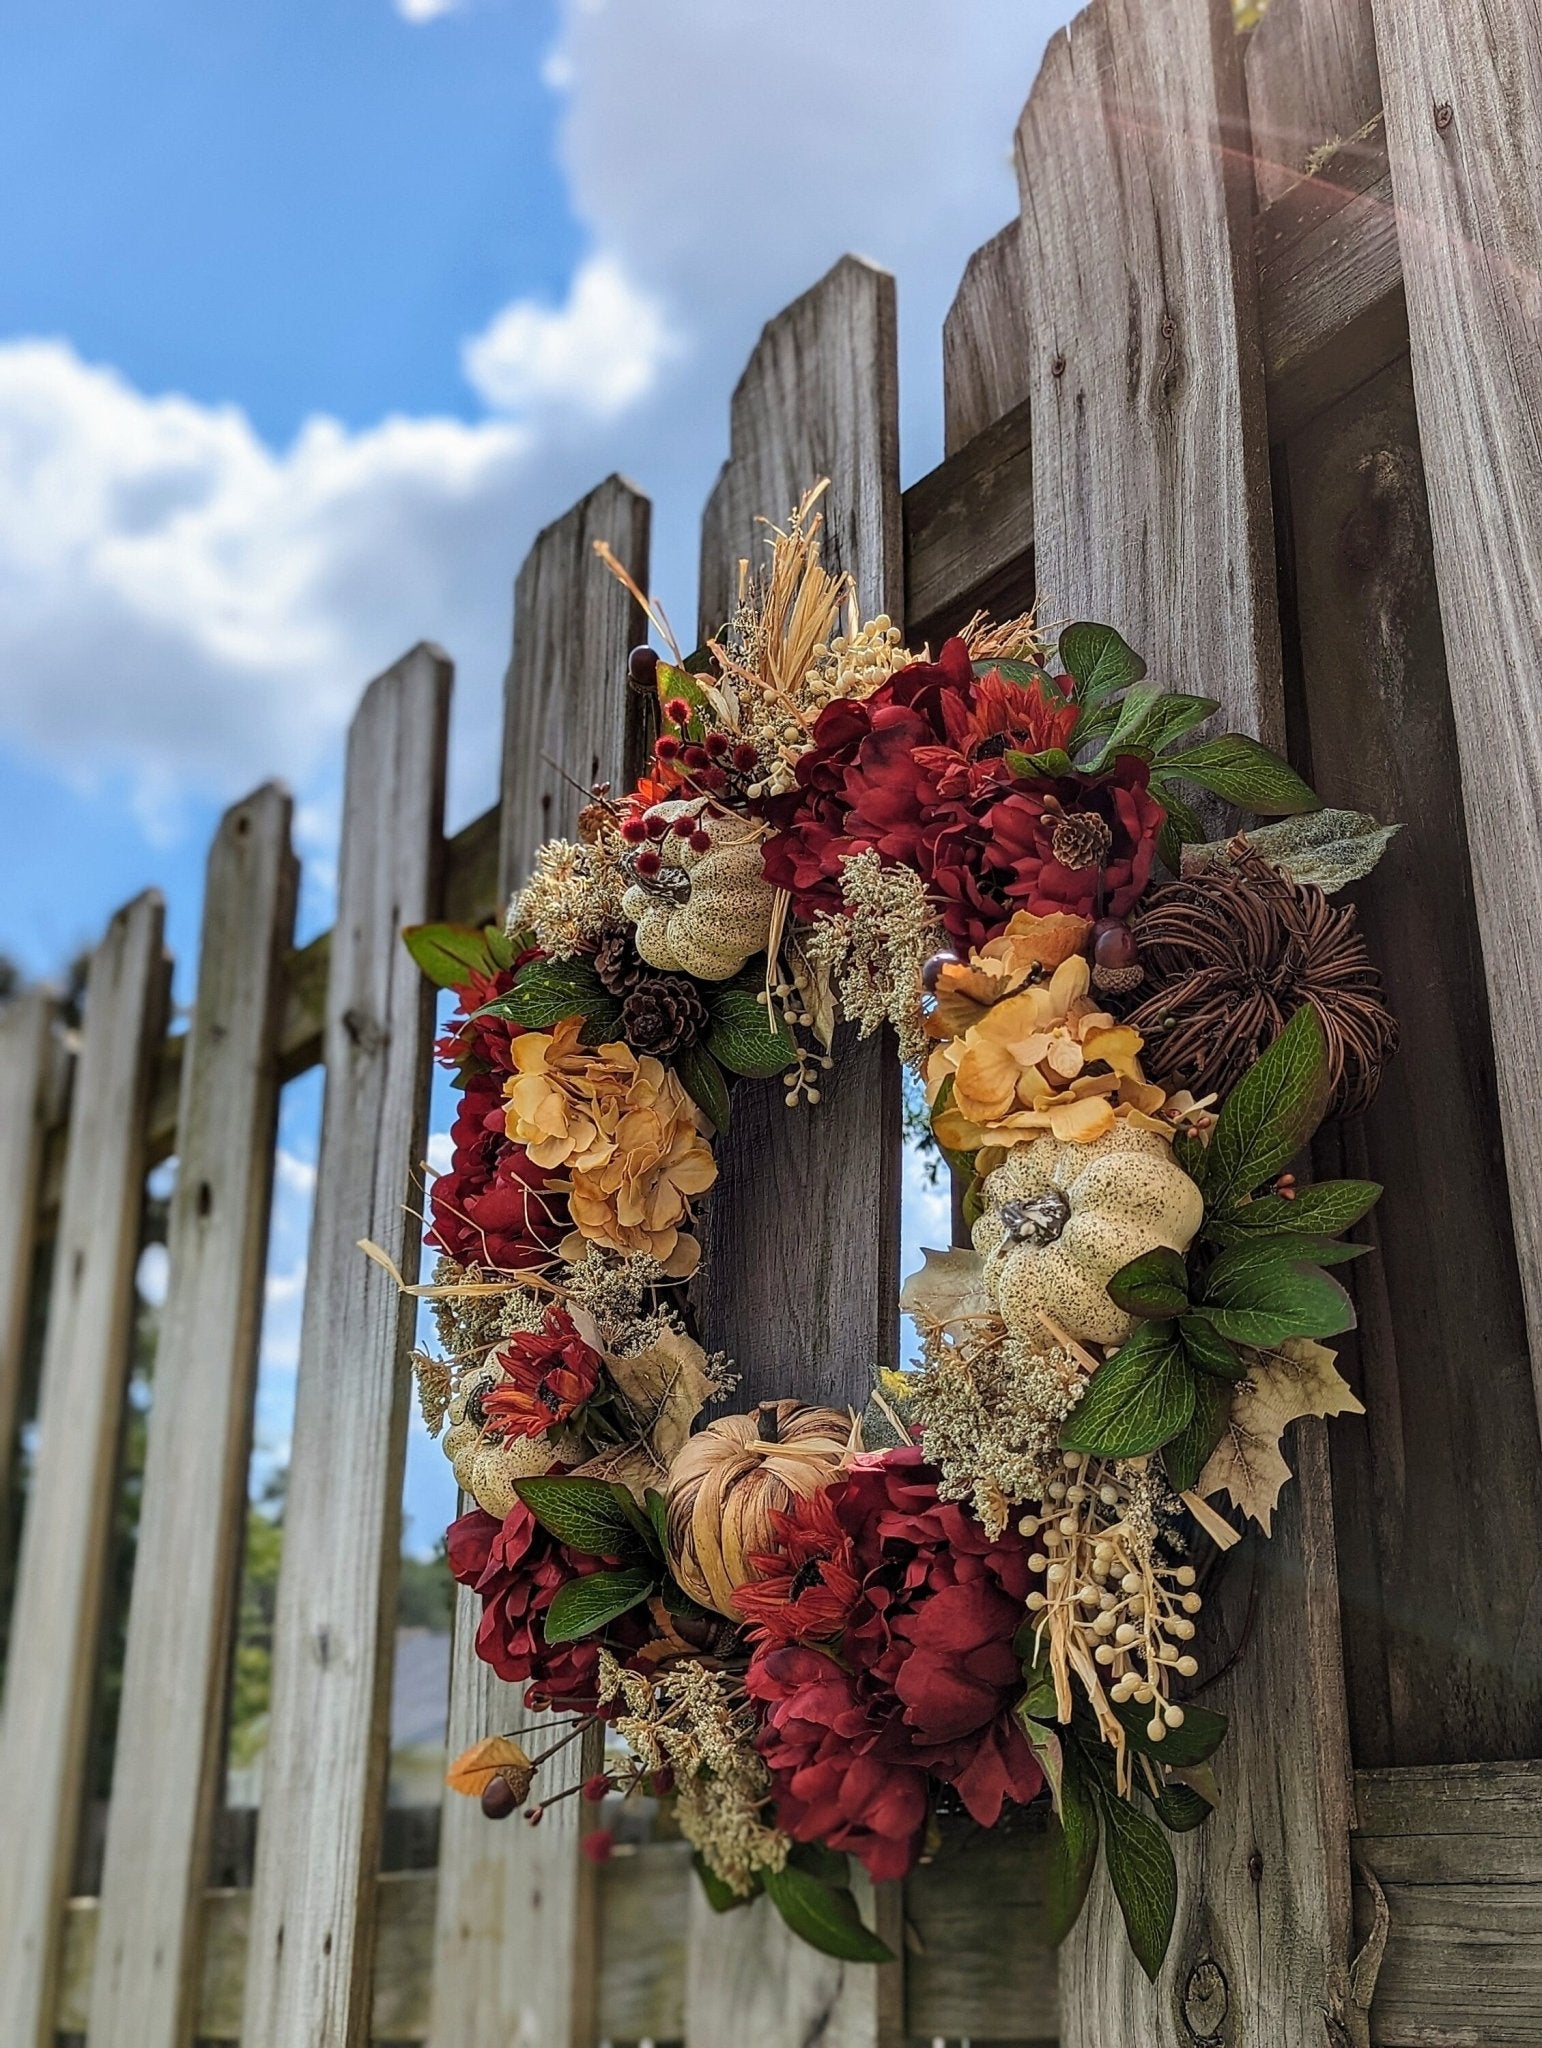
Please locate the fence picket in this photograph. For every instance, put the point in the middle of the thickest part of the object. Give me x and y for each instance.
(1151, 510)
(987, 340)
(26, 1042)
(514, 1938)
(52, 1654)
(1461, 136)
(170, 1750)
(800, 1247)
(307, 1982)
(1312, 89)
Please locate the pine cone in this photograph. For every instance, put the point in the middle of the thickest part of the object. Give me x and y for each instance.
(618, 963)
(1081, 840)
(663, 1014)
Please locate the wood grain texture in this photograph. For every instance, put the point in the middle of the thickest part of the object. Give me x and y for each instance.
(170, 1750)
(1444, 1473)
(1151, 510)
(1312, 86)
(515, 1937)
(62, 1567)
(324, 1772)
(27, 1025)
(800, 1236)
(569, 718)
(969, 533)
(987, 338)
(1463, 89)
(978, 1963)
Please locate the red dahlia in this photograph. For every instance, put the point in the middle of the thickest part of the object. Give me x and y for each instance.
(804, 1590)
(548, 1374)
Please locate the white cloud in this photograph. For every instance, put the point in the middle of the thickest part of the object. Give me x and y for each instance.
(440, 1151)
(295, 1175)
(427, 10)
(597, 353)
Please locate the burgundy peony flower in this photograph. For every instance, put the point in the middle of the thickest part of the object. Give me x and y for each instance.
(805, 1589)
(495, 1207)
(517, 1568)
(471, 1043)
(548, 1374)
(918, 773)
(927, 1676)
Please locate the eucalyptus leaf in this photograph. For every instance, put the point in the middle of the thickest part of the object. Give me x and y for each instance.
(584, 1606)
(1271, 1113)
(1327, 848)
(1189, 1452)
(1136, 1400)
(703, 1080)
(1239, 768)
(824, 1915)
(1144, 1877)
(1155, 1284)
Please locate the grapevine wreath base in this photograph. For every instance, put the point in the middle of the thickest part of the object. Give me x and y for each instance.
(813, 1634)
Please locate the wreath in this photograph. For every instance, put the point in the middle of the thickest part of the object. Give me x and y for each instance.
(812, 1633)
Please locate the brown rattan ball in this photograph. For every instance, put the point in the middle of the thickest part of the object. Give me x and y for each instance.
(1230, 955)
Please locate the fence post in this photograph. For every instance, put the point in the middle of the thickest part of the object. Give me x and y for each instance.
(514, 1937)
(170, 1755)
(1151, 510)
(26, 1039)
(52, 1657)
(799, 1270)
(318, 1838)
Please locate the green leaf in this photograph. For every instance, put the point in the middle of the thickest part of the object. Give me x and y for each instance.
(548, 991)
(1198, 1739)
(1327, 848)
(1271, 1113)
(830, 1866)
(1178, 1807)
(702, 1079)
(1099, 660)
(1188, 1453)
(678, 682)
(722, 1898)
(1135, 709)
(585, 1514)
(602, 1025)
(740, 1036)
(1324, 1207)
(824, 1915)
(1051, 761)
(658, 1515)
(1137, 1400)
(1144, 1876)
(1155, 1284)
(1235, 766)
(1191, 1155)
(1181, 824)
(1207, 1352)
(1253, 1296)
(1175, 714)
(449, 954)
(583, 1606)
(1073, 1849)
(1023, 673)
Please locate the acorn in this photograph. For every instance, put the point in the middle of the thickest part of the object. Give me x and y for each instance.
(498, 1800)
(1116, 967)
(931, 973)
(642, 668)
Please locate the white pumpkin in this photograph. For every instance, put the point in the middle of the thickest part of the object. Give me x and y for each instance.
(1060, 1220)
(486, 1466)
(709, 910)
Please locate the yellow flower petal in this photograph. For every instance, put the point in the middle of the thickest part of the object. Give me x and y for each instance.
(1079, 1122)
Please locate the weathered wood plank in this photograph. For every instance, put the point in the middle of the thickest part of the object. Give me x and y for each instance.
(569, 718)
(26, 1051)
(1312, 87)
(987, 338)
(51, 1666)
(644, 1910)
(978, 1961)
(324, 1772)
(170, 1751)
(1444, 1473)
(515, 1940)
(1452, 1824)
(1463, 88)
(969, 533)
(1151, 510)
(801, 1232)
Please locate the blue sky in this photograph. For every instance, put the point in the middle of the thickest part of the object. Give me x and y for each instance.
(312, 315)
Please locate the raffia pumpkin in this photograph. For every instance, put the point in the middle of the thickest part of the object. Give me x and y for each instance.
(732, 1476)
(1060, 1220)
(706, 911)
(487, 1466)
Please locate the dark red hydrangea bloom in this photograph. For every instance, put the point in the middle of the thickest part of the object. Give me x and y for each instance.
(930, 1678)
(805, 1589)
(917, 772)
(517, 1568)
(549, 1373)
(495, 1207)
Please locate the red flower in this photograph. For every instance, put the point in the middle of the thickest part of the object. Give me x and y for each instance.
(472, 1043)
(550, 1373)
(495, 1207)
(917, 772)
(517, 1569)
(930, 1679)
(805, 1589)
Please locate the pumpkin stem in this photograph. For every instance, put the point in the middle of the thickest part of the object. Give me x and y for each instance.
(768, 1425)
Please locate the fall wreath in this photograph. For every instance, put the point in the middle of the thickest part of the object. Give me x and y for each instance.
(814, 1633)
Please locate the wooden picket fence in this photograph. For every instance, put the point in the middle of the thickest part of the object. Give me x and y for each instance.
(1257, 376)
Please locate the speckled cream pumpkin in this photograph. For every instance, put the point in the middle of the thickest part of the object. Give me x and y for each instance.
(709, 908)
(1060, 1220)
(731, 1477)
(487, 1466)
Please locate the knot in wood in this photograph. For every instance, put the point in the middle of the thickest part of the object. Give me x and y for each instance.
(367, 1036)
(1444, 116)
(1206, 2002)
(1057, 367)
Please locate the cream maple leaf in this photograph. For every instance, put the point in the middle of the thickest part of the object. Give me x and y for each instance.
(949, 1288)
(1299, 1378)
